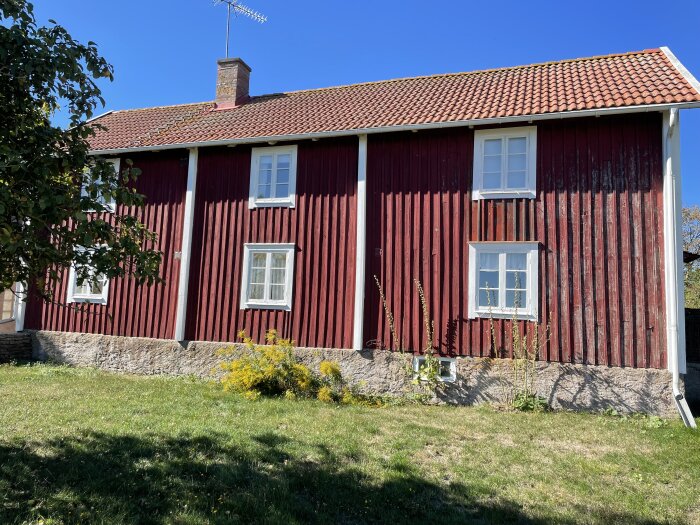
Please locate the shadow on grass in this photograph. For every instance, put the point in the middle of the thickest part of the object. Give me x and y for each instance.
(104, 478)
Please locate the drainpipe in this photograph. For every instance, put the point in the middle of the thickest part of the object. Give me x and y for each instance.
(673, 269)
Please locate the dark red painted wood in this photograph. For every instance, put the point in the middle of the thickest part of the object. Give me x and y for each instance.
(322, 226)
(143, 311)
(597, 215)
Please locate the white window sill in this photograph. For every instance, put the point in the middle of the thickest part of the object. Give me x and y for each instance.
(271, 203)
(88, 300)
(521, 315)
(265, 306)
(108, 209)
(494, 194)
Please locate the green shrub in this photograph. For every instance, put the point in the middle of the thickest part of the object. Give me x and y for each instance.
(274, 370)
(528, 402)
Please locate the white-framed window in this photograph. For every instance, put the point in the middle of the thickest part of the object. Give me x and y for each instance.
(503, 279)
(7, 306)
(108, 203)
(448, 368)
(505, 163)
(273, 174)
(93, 290)
(268, 276)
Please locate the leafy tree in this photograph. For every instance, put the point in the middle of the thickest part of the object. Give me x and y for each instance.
(691, 243)
(45, 218)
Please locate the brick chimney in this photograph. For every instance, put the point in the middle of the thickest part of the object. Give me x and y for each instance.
(232, 82)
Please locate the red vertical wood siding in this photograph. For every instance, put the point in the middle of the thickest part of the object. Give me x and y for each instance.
(322, 225)
(598, 216)
(131, 310)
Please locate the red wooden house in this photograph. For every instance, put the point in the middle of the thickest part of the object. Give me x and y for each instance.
(550, 191)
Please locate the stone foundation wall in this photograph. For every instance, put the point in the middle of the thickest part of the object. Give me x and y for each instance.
(15, 347)
(478, 380)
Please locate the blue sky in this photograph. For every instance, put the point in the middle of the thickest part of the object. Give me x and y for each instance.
(165, 52)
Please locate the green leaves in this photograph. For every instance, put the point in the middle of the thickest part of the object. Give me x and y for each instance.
(44, 215)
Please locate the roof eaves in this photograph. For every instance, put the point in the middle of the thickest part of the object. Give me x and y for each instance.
(407, 127)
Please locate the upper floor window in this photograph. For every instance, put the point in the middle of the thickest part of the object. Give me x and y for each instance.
(273, 176)
(505, 162)
(267, 276)
(93, 289)
(503, 279)
(106, 201)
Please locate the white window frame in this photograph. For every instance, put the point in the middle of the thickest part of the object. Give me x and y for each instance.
(275, 151)
(84, 298)
(418, 360)
(13, 313)
(109, 205)
(248, 250)
(528, 192)
(531, 249)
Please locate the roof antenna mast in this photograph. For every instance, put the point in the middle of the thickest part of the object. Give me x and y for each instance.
(234, 6)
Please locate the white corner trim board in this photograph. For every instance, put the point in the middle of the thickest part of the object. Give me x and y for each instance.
(20, 306)
(186, 249)
(673, 267)
(361, 243)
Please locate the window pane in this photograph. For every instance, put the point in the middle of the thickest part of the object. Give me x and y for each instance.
(283, 176)
(517, 162)
(266, 163)
(264, 191)
(96, 288)
(257, 276)
(492, 181)
(255, 292)
(488, 261)
(492, 147)
(492, 164)
(282, 191)
(516, 280)
(488, 298)
(445, 369)
(517, 145)
(277, 276)
(276, 292)
(516, 261)
(284, 161)
(259, 260)
(488, 279)
(265, 177)
(279, 260)
(516, 299)
(516, 179)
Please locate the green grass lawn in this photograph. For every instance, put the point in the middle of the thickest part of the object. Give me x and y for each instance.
(78, 445)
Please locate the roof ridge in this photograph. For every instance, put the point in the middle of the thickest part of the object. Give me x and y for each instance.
(158, 107)
(462, 73)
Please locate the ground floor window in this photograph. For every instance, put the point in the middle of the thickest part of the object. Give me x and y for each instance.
(94, 288)
(267, 276)
(503, 279)
(448, 368)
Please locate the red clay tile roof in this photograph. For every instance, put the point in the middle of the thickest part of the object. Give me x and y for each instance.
(612, 81)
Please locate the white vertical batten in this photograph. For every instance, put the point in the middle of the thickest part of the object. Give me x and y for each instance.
(20, 306)
(673, 264)
(186, 253)
(360, 243)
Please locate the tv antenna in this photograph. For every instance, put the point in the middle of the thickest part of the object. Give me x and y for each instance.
(236, 7)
